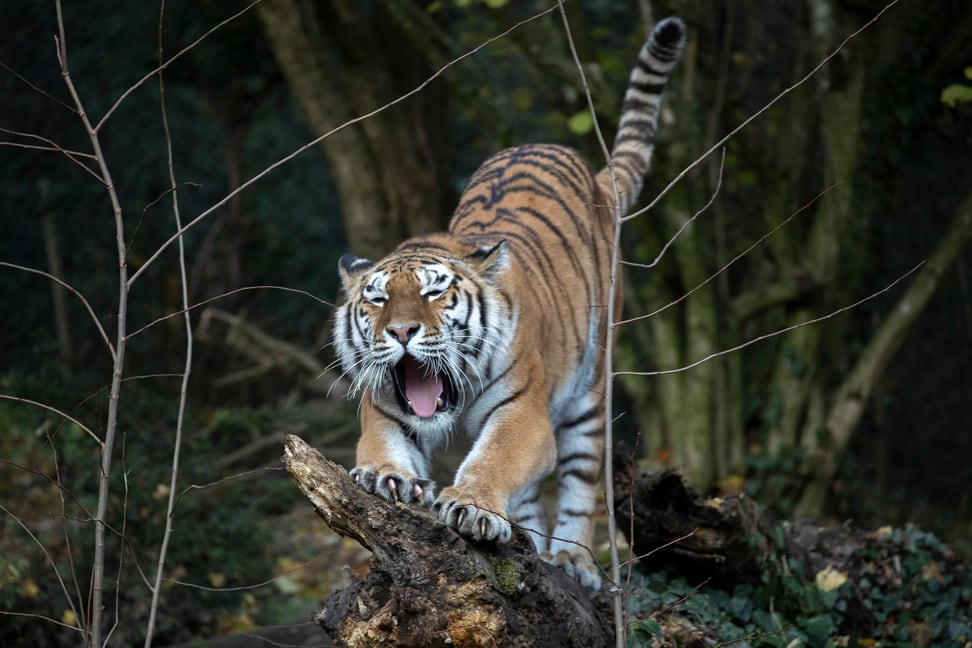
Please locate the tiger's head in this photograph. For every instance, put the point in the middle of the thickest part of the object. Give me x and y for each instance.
(417, 328)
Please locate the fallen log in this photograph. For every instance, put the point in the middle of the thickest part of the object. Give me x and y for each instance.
(428, 586)
(670, 525)
(723, 540)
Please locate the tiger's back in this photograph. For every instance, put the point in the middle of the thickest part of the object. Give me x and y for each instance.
(545, 203)
(497, 327)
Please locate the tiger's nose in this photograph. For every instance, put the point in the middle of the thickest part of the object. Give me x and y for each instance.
(404, 332)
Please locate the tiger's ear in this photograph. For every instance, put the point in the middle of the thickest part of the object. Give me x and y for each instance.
(350, 268)
(490, 260)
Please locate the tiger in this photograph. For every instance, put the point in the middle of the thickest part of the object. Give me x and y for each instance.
(497, 327)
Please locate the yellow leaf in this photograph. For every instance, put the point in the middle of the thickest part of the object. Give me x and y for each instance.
(883, 532)
(29, 589)
(732, 483)
(69, 618)
(235, 623)
(932, 571)
(216, 579)
(829, 579)
(968, 73)
(161, 492)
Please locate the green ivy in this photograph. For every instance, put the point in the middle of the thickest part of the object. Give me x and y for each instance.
(911, 591)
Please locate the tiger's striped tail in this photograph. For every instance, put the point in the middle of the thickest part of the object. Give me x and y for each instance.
(635, 140)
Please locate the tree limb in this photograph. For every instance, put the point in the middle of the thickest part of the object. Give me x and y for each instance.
(852, 396)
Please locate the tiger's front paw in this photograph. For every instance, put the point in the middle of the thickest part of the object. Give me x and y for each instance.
(394, 485)
(469, 518)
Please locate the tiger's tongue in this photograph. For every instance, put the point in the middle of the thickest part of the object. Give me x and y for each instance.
(421, 389)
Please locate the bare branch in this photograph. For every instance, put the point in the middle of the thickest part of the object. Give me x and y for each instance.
(53, 481)
(731, 261)
(53, 147)
(243, 588)
(774, 333)
(227, 294)
(668, 544)
(71, 289)
(35, 88)
(33, 615)
(184, 388)
(68, 417)
(172, 60)
(94, 636)
(616, 590)
(61, 490)
(47, 554)
(149, 206)
(685, 225)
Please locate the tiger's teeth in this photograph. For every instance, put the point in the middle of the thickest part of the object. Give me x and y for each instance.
(410, 407)
(439, 402)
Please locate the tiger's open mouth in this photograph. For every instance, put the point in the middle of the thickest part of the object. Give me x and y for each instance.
(420, 391)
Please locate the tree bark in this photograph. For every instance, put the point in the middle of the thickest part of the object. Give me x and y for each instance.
(428, 586)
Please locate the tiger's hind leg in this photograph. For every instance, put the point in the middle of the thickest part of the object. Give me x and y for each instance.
(580, 450)
(526, 511)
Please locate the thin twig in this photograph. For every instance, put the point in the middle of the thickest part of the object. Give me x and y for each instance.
(35, 88)
(52, 147)
(731, 261)
(685, 225)
(138, 84)
(64, 528)
(618, 592)
(72, 290)
(660, 547)
(243, 588)
(227, 294)
(32, 615)
(50, 408)
(184, 388)
(47, 555)
(781, 331)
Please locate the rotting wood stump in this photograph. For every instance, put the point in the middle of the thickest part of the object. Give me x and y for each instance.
(428, 586)
(669, 524)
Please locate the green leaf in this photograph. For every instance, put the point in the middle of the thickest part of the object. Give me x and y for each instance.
(968, 73)
(494, 4)
(821, 625)
(581, 123)
(740, 607)
(766, 621)
(649, 628)
(956, 94)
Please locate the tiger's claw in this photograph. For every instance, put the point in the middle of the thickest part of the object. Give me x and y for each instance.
(472, 519)
(393, 485)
